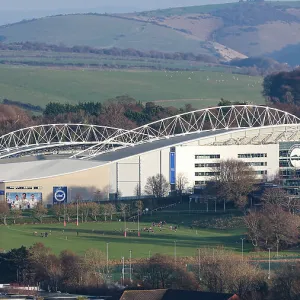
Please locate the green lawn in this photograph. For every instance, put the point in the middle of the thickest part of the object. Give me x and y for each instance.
(188, 240)
(41, 85)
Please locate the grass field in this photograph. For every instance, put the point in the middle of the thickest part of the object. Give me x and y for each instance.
(187, 240)
(39, 86)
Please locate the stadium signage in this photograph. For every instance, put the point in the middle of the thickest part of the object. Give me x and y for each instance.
(60, 194)
(294, 156)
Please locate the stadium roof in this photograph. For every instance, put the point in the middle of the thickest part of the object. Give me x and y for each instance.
(43, 169)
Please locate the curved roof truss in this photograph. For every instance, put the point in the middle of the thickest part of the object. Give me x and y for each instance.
(55, 135)
(210, 119)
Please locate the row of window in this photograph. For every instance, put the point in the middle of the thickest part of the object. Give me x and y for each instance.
(217, 156)
(207, 156)
(207, 165)
(252, 155)
(200, 174)
(257, 163)
(264, 172)
(201, 182)
(23, 187)
(207, 173)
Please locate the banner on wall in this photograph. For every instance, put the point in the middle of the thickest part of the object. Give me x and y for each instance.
(60, 194)
(172, 168)
(19, 200)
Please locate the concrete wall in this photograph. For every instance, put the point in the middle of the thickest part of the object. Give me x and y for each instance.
(86, 183)
(126, 174)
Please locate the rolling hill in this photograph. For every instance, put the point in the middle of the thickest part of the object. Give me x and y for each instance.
(229, 31)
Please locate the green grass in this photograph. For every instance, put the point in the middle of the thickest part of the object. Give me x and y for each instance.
(41, 85)
(100, 31)
(159, 242)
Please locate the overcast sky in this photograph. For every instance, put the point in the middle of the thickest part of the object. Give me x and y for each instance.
(16, 10)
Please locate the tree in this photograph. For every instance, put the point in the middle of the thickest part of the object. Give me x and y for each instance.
(286, 284)
(95, 210)
(111, 210)
(123, 208)
(181, 182)
(95, 262)
(157, 186)
(58, 210)
(4, 212)
(16, 214)
(272, 227)
(234, 180)
(220, 272)
(139, 206)
(40, 211)
(161, 272)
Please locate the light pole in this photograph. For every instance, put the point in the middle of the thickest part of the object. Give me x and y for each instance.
(199, 264)
(242, 248)
(269, 274)
(139, 234)
(190, 206)
(125, 233)
(123, 270)
(130, 254)
(65, 224)
(277, 247)
(175, 251)
(107, 257)
(215, 205)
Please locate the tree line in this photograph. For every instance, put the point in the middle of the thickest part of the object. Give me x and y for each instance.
(35, 46)
(208, 270)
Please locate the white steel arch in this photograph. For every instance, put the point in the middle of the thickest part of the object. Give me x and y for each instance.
(54, 135)
(209, 119)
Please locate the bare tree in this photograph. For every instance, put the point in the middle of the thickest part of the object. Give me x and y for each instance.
(95, 210)
(234, 180)
(157, 186)
(95, 263)
(160, 272)
(4, 212)
(286, 284)
(16, 214)
(272, 227)
(139, 206)
(123, 207)
(111, 209)
(181, 182)
(40, 211)
(58, 210)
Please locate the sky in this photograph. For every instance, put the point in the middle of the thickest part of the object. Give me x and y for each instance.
(17, 10)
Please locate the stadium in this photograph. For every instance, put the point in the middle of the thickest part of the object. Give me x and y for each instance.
(58, 162)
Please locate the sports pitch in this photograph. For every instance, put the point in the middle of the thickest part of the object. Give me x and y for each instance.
(98, 234)
(40, 86)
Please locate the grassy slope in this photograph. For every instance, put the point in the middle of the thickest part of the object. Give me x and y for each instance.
(100, 31)
(160, 242)
(40, 86)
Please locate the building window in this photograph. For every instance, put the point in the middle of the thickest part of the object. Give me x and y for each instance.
(207, 165)
(264, 172)
(207, 156)
(207, 173)
(252, 155)
(200, 182)
(257, 164)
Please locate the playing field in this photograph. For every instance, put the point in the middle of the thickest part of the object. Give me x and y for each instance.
(40, 86)
(96, 235)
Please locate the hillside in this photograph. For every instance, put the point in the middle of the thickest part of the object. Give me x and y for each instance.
(229, 31)
(101, 31)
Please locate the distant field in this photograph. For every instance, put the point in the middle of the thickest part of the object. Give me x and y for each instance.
(39, 86)
(100, 31)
